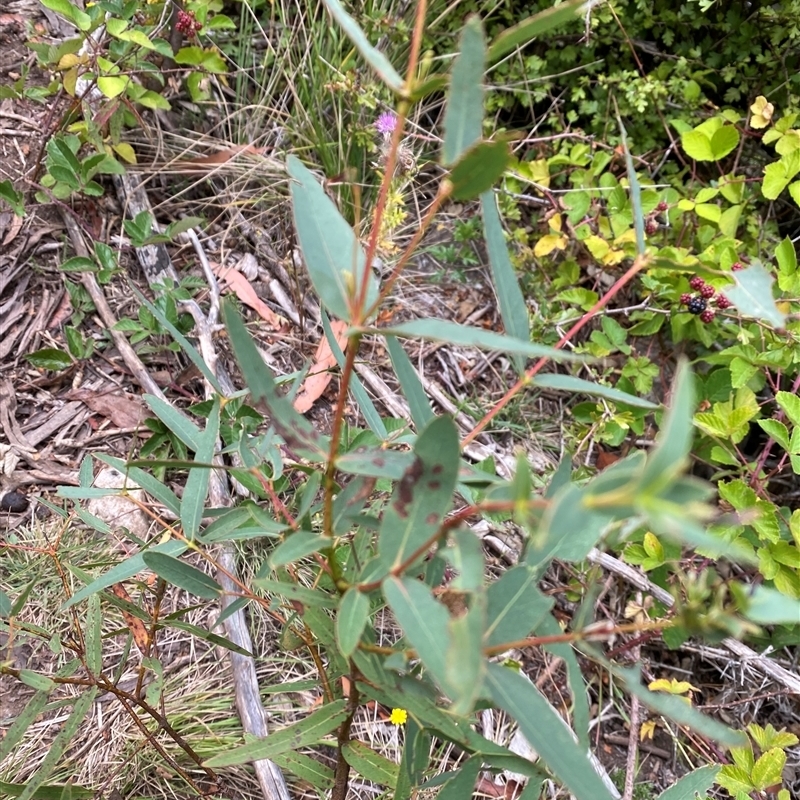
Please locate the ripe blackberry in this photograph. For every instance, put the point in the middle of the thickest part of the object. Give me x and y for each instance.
(697, 283)
(685, 298)
(736, 266)
(707, 316)
(723, 302)
(707, 291)
(697, 305)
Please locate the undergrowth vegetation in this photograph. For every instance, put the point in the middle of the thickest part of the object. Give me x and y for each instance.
(646, 274)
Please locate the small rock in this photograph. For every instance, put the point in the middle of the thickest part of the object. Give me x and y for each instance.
(14, 502)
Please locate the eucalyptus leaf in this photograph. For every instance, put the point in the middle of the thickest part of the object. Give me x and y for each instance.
(537, 25)
(513, 308)
(182, 575)
(546, 732)
(463, 116)
(307, 732)
(334, 258)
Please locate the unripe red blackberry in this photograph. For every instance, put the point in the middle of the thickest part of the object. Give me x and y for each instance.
(685, 298)
(697, 305)
(736, 266)
(662, 206)
(707, 291)
(707, 316)
(723, 302)
(187, 23)
(651, 227)
(697, 283)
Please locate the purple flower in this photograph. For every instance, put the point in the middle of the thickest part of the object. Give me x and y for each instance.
(385, 123)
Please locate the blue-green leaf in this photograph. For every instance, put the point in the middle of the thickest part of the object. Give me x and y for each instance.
(334, 258)
(463, 117)
(513, 310)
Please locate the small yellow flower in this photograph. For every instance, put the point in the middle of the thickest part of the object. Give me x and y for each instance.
(398, 716)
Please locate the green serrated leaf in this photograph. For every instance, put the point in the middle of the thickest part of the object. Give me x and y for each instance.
(697, 145)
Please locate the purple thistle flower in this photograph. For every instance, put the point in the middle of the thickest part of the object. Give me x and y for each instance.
(385, 123)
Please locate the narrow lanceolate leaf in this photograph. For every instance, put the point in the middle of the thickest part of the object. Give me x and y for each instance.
(298, 433)
(178, 423)
(307, 769)
(463, 117)
(478, 169)
(523, 32)
(636, 194)
(752, 295)
(674, 441)
(513, 310)
(151, 485)
(569, 383)
(311, 597)
(546, 732)
(334, 258)
(23, 721)
(441, 330)
(423, 495)
(93, 636)
(125, 570)
(302, 734)
(57, 747)
(351, 620)
(375, 58)
(186, 346)
(297, 545)
(182, 575)
(418, 403)
(374, 767)
(196, 489)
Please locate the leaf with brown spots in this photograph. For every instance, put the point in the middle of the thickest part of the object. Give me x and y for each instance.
(141, 636)
(423, 495)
